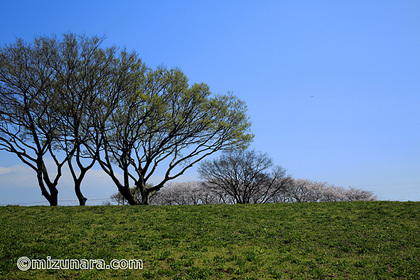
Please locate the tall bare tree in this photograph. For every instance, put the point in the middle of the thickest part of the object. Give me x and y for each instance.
(244, 176)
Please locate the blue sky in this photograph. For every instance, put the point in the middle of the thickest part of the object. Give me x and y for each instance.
(332, 87)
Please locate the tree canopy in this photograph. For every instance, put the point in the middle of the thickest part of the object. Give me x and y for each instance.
(79, 103)
(167, 122)
(245, 176)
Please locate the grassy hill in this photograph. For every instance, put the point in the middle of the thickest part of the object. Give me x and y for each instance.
(343, 240)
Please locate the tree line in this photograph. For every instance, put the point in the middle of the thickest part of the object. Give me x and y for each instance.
(248, 177)
(78, 104)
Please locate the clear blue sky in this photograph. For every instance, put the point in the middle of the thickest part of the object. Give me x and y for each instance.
(332, 87)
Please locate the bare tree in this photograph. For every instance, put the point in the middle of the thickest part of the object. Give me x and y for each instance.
(244, 176)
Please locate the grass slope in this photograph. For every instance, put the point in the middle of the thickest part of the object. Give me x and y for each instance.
(344, 240)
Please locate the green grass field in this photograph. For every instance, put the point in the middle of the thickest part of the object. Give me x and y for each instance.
(343, 240)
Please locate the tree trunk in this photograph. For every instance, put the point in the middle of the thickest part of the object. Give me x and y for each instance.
(78, 180)
(125, 192)
(80, 197)
(51, 196)
(53, 200)
(145, 199)
(147, 193)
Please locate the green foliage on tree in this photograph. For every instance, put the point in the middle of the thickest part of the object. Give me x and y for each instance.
(29, 119)
(167, 122)
(105, 106)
